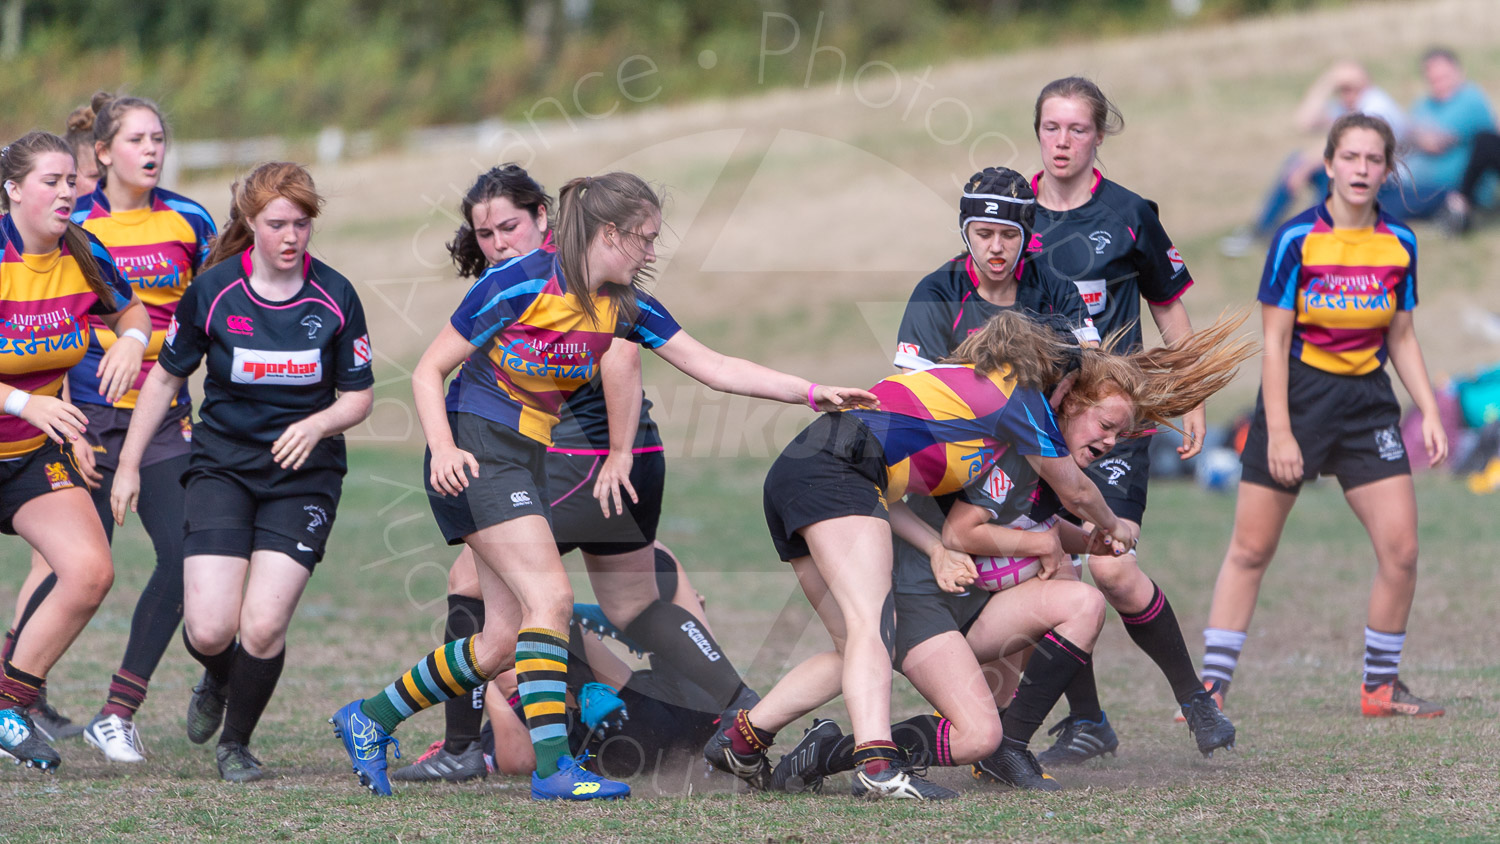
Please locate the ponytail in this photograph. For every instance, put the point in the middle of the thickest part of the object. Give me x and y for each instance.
(586, 205)
(1166, 382)
(82, 250)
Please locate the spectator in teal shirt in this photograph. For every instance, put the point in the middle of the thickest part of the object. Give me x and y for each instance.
(1444, 123)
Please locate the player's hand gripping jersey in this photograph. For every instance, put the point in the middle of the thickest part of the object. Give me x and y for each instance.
(269, 363)
(1114, 249)
(946, 308)
(158, 250)
(1345, 287)
(535, 347)
(944, 427)
(45, 304)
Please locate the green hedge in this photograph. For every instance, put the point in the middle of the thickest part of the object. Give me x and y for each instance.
(255, 67)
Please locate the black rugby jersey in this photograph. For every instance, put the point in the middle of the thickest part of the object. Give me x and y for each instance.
(946, 308)
(269, 363)
(1114, 248)
(583, 426)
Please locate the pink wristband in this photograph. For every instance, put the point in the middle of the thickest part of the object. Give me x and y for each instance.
(810, 403)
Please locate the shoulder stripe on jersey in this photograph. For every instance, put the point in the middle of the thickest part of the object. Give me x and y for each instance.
(1043, 438)
(652, 340)
(526, 288)
(486, 274)
(100, 253)
(186, 207)
(1289, 298)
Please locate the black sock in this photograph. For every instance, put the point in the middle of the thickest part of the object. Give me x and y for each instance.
(671, 632)
(925, 736)
(252, 681)
(218, 665)
(43, 589)
(464, 715)
(1083, 695)
(1052, 667)
(1155, 631)
(159, 609)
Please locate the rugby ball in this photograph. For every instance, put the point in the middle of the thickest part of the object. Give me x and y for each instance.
(1218, 469)
(997, 573)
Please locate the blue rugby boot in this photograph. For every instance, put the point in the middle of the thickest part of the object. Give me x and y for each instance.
(573, 782)
(365, 741)
(601, 707)
(591, 618)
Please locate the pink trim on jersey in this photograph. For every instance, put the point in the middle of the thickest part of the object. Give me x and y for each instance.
(330, 302)
(259, 302)
(1175, 297)
(960, 317)
(602, 452)
(249, 267)
(586, 478)
(209, 321)
(974, 279)
(1098, 180)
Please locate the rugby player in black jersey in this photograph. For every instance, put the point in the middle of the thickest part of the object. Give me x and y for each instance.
(1110, 242)
(283, 336)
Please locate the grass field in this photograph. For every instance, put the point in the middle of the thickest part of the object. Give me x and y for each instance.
(1307, 767)
(799, 222)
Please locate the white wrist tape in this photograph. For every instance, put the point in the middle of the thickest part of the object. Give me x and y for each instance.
(16, 402)
(137, 334)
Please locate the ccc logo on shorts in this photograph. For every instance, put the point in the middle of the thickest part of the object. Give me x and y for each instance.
(586, 788)
(520, 498)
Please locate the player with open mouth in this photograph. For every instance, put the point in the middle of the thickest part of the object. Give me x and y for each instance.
(283, 336)
(1110, 242)
(1337, 296)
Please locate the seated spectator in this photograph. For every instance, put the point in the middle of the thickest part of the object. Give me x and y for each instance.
(1444, 125)
(1484, 160)
(1343, 88)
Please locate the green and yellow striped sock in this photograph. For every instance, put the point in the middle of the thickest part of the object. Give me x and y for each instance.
(542, 677)
(448, 672)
